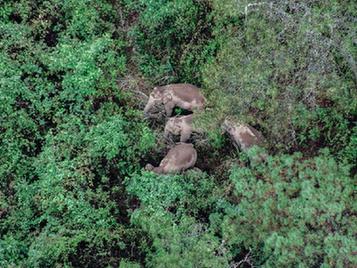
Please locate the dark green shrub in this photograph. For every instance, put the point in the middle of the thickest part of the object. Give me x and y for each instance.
(295, 212)
(174, 211)
(171, 39)
(286, 67)
(67, 137)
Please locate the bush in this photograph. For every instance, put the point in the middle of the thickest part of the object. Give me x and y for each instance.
(295, 212)
(282, 66)
(174, 211)
(67, 136)
(171, 39)
(72, 143)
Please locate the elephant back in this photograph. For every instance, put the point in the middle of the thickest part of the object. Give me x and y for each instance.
(186, 92)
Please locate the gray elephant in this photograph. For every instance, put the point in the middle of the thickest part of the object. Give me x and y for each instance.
(243, 135)
(181, 157)
(185, 96)
(179, 125)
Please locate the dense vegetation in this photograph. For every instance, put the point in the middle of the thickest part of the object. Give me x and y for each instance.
(73, 139)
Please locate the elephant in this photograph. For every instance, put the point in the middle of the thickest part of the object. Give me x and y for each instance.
(243, 135)
(179, 125)
(181, 157)
(185, 96)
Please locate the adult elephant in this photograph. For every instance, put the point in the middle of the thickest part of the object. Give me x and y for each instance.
(185, 96)
(181, 157)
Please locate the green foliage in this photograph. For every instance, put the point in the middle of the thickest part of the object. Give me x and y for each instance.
(280, 67)
(295, 212)
(173, 214)
(189, 192)
(73, 144)
(180, 242)
(125, 264)
(66, 139)
(171, 39)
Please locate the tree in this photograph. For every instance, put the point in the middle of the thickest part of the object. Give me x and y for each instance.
(286, 69)
(294, 212)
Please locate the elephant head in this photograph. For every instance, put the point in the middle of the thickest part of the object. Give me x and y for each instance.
(150, 167)
(173, 126)
(179, 125)
(156, 98)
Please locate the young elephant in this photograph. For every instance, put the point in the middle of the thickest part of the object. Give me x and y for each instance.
(181, 157)
(185, 96)
(179, 125)
(243, 135)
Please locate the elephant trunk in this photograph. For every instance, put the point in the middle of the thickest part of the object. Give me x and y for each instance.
(224, 126)
(166, 131)
(148, 107)
(158, 170)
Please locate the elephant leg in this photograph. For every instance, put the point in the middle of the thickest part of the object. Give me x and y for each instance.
(169, 108)
(185, 135)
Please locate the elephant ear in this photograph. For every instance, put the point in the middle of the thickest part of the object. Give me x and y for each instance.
(167, 97)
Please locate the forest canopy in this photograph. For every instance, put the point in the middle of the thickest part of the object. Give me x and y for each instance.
(74, 79)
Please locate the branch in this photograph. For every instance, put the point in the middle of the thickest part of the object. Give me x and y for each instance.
(257, 4)
(138, 92)
(245, 260)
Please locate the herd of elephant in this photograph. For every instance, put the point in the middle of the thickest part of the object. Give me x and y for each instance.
(188, 97)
